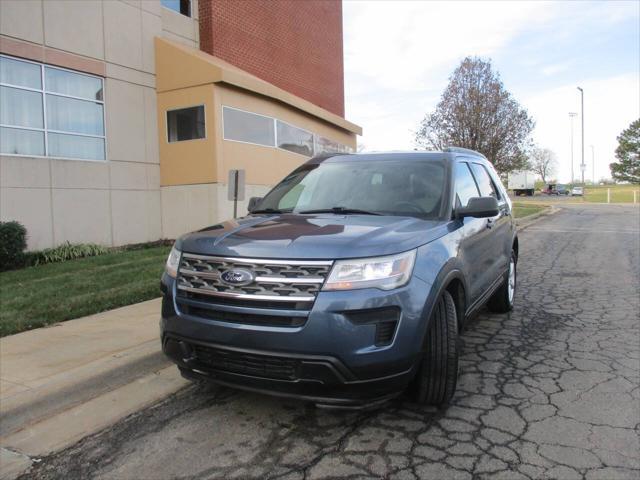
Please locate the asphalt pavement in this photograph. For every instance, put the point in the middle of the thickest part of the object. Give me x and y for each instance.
(548, 391)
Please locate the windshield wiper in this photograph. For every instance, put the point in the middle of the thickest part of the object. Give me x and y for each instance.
(269, 210)
(341, 210)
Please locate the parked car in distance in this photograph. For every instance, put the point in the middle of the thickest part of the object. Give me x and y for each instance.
(577, 191)
(555, 189)
(348, 283)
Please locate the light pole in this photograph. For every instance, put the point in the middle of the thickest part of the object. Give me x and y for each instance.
(582, 165)
(571, 115)
(593, 164)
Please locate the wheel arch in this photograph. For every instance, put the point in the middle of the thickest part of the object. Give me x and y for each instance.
(452, 280)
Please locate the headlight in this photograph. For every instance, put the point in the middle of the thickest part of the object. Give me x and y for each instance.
(173, 262)
(384, 273)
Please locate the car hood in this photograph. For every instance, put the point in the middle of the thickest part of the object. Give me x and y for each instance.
(321, 236)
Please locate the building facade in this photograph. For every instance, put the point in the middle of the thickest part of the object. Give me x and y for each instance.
(119, 120)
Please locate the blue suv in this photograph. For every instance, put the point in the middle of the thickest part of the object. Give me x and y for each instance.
(348, 283)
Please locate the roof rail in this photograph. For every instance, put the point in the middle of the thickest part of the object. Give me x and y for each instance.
(463, 150)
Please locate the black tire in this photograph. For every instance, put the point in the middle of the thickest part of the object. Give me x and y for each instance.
(437, 377)
(501, 301)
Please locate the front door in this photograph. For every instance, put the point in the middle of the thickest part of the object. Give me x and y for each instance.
(476, 247)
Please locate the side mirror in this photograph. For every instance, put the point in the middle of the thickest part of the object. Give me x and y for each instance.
(253, 203)
(479, 207)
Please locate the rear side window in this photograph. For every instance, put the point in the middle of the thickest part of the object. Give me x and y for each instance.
(487, 188)
(465, 185)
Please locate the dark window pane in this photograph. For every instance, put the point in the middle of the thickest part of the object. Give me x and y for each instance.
(186, 124)
(77, 116)
(21, 142)
(465, 185)
(248, 127)
(295, 139)
(74, 84)
(22, 108)
(74, 146)
(19, 73)
(487, 188)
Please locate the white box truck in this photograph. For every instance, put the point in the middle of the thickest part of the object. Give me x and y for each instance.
(522, 182)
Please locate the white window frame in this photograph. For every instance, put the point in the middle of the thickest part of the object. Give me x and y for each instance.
(275, 133)
(166, 120)
(273, 120)
(43, 91)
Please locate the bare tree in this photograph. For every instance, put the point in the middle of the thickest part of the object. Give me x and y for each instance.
(543, 162)
(477, 112)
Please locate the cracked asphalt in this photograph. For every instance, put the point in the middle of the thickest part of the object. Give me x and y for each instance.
(548, 391)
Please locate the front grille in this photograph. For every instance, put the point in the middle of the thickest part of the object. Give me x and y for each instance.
(266, 366)
(280, 281)
(244, 318)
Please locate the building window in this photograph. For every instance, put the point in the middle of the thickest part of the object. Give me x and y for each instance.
(186, 124)
(294, 139)
(324, 145)
(180, 6)
(248, 127)
(49, 111)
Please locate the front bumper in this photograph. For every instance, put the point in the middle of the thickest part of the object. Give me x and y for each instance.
(322, 380)
(329, 359)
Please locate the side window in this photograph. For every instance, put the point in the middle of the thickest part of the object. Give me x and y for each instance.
(487, 188)
(248, 127)
(465, 185)
(185, 124)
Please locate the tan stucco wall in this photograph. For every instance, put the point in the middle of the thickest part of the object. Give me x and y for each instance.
(190, 161)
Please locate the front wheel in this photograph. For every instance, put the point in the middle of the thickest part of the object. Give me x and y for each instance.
(502, 300)
(436, 380)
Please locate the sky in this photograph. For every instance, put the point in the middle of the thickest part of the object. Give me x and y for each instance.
(398, 56)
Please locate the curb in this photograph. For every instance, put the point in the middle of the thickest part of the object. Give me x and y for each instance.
(27, 446)
(72, 388)
(523, 223)
(62, 384)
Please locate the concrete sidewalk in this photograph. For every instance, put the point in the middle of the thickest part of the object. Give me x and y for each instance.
(61, 383)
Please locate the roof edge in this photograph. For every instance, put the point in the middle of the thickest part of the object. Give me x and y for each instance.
(224, 72)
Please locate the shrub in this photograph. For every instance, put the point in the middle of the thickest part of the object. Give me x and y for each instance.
(66, 251)
(13, 241)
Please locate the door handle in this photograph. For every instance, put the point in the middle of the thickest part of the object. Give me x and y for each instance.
(490, 222)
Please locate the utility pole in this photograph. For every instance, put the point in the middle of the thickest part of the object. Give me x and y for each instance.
(593, 164)
(582, 165)
(571, 115)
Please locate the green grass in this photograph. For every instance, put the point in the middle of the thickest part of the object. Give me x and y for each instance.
(521, 210)
(37, 296)
(619, 193)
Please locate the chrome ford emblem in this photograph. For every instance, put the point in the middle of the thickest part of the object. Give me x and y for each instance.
(237, 276)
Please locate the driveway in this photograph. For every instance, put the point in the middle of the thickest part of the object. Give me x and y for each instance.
(550, 391)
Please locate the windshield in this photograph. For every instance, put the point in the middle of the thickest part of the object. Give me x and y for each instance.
(387, 187)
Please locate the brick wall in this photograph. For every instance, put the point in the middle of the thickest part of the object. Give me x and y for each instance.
(294, 44)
